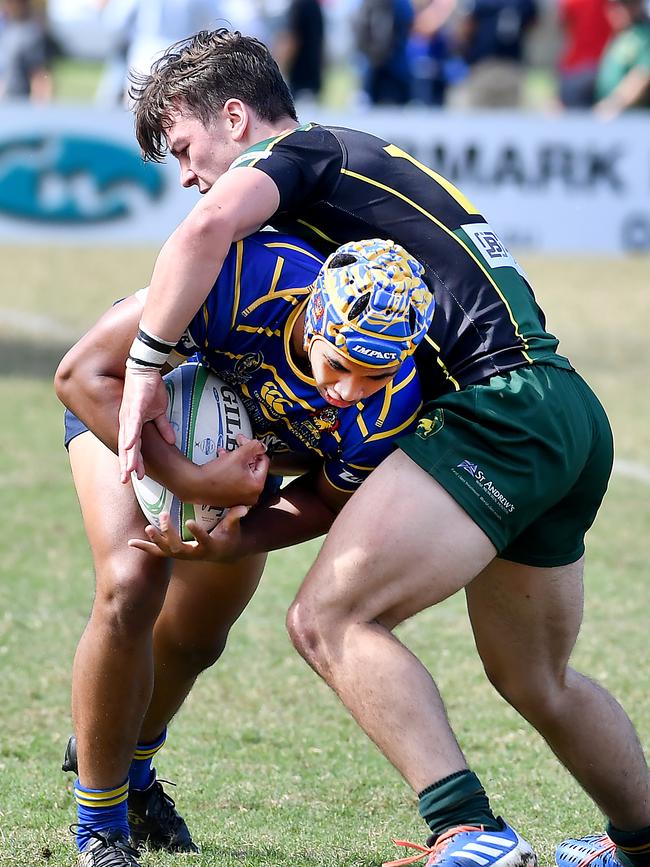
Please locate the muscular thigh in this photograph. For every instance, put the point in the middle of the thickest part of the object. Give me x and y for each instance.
(399, 545)
(111, 515)
(526, 618)
(206, 598)
(201, 597)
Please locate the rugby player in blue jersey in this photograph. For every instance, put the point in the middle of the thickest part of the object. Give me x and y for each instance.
(321, 355)
(504, 474)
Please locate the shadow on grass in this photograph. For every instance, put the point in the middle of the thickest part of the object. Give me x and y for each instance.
(30, 359)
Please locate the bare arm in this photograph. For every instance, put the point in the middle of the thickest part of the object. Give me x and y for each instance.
(89, 381)
(187, 266)
(239, 203)
(40, 85)
(628, 93)
(433, 16)
(303, 510)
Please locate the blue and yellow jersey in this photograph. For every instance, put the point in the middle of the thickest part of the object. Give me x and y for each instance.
(338, 185)
(243, 333)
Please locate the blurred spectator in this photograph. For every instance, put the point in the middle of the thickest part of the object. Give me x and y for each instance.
(258, 18)
(586, 31)
(117, 18)
(141, 31)
(623, 80)
(430, 52)
(24, 53)
(491, 38)
(382, 30)
(299, 48)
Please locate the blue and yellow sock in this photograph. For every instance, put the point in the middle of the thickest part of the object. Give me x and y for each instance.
(458, 799)
(141, 774)
(100, 810)
(632, 847)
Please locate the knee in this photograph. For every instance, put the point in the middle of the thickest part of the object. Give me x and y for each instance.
(536, 694)
(204, 654)
(303, 632)
(194, 652)
(129, 594)
(314, 632)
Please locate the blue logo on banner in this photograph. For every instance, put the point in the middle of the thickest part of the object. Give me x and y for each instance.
(71, 179)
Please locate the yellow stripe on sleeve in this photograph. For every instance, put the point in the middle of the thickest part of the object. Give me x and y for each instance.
(237, 288)
(396, 430)
(286, 246)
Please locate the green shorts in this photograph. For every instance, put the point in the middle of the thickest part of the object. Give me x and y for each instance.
(527, 455)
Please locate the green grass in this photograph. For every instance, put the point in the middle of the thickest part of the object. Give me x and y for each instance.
(75, 79)
(271, 771)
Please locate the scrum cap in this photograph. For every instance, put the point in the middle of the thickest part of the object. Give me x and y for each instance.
(370, 302)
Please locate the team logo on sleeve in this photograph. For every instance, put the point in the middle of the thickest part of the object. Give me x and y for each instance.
(491, 247)
(347, 477)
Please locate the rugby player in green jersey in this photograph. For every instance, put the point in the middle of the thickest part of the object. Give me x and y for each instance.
(328, 379)
(497, 487)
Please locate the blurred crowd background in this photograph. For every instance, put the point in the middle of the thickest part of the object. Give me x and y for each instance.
(551, 55)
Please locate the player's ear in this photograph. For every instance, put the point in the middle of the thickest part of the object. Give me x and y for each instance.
(236, 114)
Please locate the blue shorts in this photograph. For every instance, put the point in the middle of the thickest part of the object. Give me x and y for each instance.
(73, 427)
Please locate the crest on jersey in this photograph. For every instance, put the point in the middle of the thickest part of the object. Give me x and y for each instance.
(430, 425)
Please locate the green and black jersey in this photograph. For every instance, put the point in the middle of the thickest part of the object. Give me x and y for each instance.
(339, 185)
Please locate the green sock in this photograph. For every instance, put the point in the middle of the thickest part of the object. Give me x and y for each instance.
(458, 799)
(632, 847)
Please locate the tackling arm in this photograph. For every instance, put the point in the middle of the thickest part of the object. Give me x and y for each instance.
(89, 381)
(238, 203)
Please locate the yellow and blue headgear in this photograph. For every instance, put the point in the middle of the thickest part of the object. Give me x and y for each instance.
(370, 302)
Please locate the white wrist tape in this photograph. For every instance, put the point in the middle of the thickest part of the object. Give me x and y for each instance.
(148, 350)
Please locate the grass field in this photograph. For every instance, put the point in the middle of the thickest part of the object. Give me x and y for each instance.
(271, 771)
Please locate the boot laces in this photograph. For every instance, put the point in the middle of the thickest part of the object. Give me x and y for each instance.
(607, 847)
(165, 806)
(114, 849)
(434, 848)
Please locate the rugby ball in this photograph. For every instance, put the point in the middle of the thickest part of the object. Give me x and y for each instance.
(206, 414)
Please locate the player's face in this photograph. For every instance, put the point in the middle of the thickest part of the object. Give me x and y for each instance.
(343, 382)
(203, 153)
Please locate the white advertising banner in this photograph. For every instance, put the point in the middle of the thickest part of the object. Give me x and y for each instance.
(74, 175)
(565, 183)
(560, 183)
